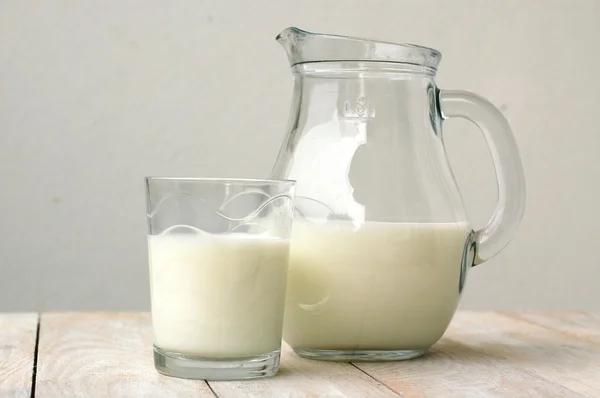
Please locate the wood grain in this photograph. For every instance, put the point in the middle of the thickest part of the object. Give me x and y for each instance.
(554, 355)
(300, 377)
(491, 354)
(103, 355)
(578, 323)
(453, 370)
(17, 352)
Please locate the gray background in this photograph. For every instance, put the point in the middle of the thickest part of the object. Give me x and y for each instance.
(94, 95)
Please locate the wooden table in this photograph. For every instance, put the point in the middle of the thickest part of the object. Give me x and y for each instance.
(483, 354)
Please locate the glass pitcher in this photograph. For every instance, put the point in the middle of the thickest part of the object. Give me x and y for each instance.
(381, 243)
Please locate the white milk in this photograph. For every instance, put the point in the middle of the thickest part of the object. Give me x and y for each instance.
(384, 286)
(217, 297)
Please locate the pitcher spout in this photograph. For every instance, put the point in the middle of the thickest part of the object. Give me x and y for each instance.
(304, 47)
(289, 39)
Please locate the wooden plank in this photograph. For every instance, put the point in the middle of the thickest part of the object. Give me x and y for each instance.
(103, 355)
(579, 323)
(300, 377)
(553, 355)
(17, 353)
(453, 370)
(482, 355)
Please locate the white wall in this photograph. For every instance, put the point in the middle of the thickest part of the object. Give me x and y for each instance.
(94, 95)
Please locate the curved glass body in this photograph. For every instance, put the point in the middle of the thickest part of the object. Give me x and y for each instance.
(381, 242)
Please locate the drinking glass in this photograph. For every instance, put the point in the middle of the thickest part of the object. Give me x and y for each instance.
(218, 251)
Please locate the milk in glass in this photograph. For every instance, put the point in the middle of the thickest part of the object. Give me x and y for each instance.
(218, 296)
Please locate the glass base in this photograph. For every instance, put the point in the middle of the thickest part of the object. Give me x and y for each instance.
(191, 367)
(359, 355)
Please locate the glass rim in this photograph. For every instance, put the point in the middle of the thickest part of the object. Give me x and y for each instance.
(222, 180)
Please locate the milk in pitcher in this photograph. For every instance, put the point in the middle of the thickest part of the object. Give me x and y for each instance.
(379, 286)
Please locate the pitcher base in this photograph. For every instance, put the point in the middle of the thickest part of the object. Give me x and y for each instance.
(359, 355)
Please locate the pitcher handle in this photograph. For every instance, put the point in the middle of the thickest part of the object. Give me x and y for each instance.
(507, 163)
